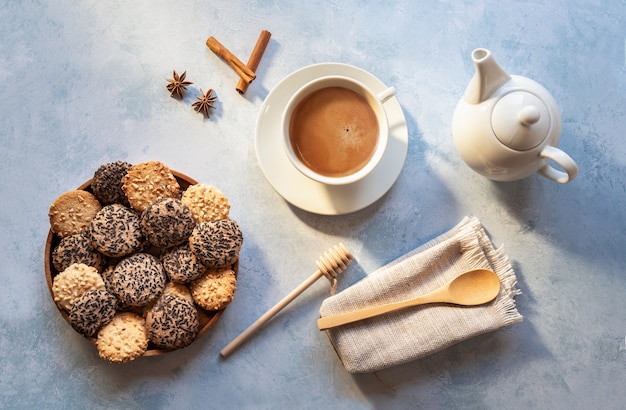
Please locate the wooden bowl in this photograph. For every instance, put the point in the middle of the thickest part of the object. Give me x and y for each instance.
(207, 318)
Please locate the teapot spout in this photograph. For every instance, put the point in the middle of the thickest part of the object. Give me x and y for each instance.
(488, 78)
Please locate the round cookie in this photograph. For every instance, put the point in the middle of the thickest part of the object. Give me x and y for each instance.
(179, 290)
(216, 243)
(172, 322)
(92, 310)
(147, 182)
(106, 183)
(116, 231)
(138, 279)
(72, 212)
(215, 290)
(70, 284)
(76, 249)
(123, 339)
(207, 203)
(181, 264)
(167, 222)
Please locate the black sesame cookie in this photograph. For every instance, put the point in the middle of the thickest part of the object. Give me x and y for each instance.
(216, 243)
(147, 182)
(215, 289)
(167, 222)
(106, 183)
(123, 339)
(181, 264)
(115, 231)
(138, 279)
(92, 310)
(72, 212)
(172, 322)
(77, 249)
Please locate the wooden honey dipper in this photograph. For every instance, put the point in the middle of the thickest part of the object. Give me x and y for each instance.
(330, 264)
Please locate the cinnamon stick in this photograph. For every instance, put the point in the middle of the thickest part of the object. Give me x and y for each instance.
(240, 68)
(255, 59)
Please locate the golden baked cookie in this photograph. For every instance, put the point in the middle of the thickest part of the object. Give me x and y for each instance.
(215, 290)
(70, 284)
(207, 203)
(72, 212)
(147, 182)
(123, 339)
(178, 289)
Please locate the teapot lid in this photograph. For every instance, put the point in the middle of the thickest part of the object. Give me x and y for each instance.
(520, 120)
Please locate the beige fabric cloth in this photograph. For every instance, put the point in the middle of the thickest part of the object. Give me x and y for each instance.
(403, 336)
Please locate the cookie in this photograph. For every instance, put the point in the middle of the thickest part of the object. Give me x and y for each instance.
(123, 339)
(70, 284)
(77, 249)
(215, 290)
(172, 322)
(92, 310)
(106, 183)
(207, 203)
(181, 264)
(216, 243)
(167, 222)
(72, 212)
(116, 231)
(178, 289)
(138, 279)
(147, 182)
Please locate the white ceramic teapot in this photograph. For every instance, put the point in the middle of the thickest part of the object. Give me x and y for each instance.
(507, 127)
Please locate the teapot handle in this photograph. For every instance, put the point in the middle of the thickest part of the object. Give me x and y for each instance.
(563, 160)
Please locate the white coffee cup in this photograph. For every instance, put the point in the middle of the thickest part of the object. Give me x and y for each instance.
(327, 137)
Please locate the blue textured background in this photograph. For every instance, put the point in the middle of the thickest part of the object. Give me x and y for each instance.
(83, 83)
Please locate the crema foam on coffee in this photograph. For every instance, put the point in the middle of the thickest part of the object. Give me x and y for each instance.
(334, 131)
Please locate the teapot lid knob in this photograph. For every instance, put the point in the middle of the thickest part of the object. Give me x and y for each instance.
(529, 115)
(520, 120)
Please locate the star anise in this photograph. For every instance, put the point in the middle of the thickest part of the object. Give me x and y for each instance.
(205, 101)
(178, 85)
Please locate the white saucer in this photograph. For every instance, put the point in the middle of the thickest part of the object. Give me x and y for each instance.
(310, 195)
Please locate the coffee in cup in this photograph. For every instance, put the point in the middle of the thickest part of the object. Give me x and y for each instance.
(336, 129)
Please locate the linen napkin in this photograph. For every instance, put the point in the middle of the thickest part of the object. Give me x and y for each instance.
(399, 337)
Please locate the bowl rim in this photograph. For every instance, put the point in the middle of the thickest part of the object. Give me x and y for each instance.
(207, 318)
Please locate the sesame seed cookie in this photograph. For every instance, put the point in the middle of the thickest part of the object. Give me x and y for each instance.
(207, 203)
(77, 249)
(215, 290)
(123, 339)
(116, 231)
(92, 310)
(106, 183)
(167, 222)
(138, 279)
(181, 264)
(216, 243)
(178, 289)
(147, 182)
(172, 322)
(72, 212)
(70, 284)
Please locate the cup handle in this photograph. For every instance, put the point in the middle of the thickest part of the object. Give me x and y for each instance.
(386, 94)
(565, 161)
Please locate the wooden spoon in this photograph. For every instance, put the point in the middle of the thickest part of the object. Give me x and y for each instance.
(471, 288)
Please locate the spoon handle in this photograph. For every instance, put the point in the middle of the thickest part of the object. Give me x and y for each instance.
(344, 318)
